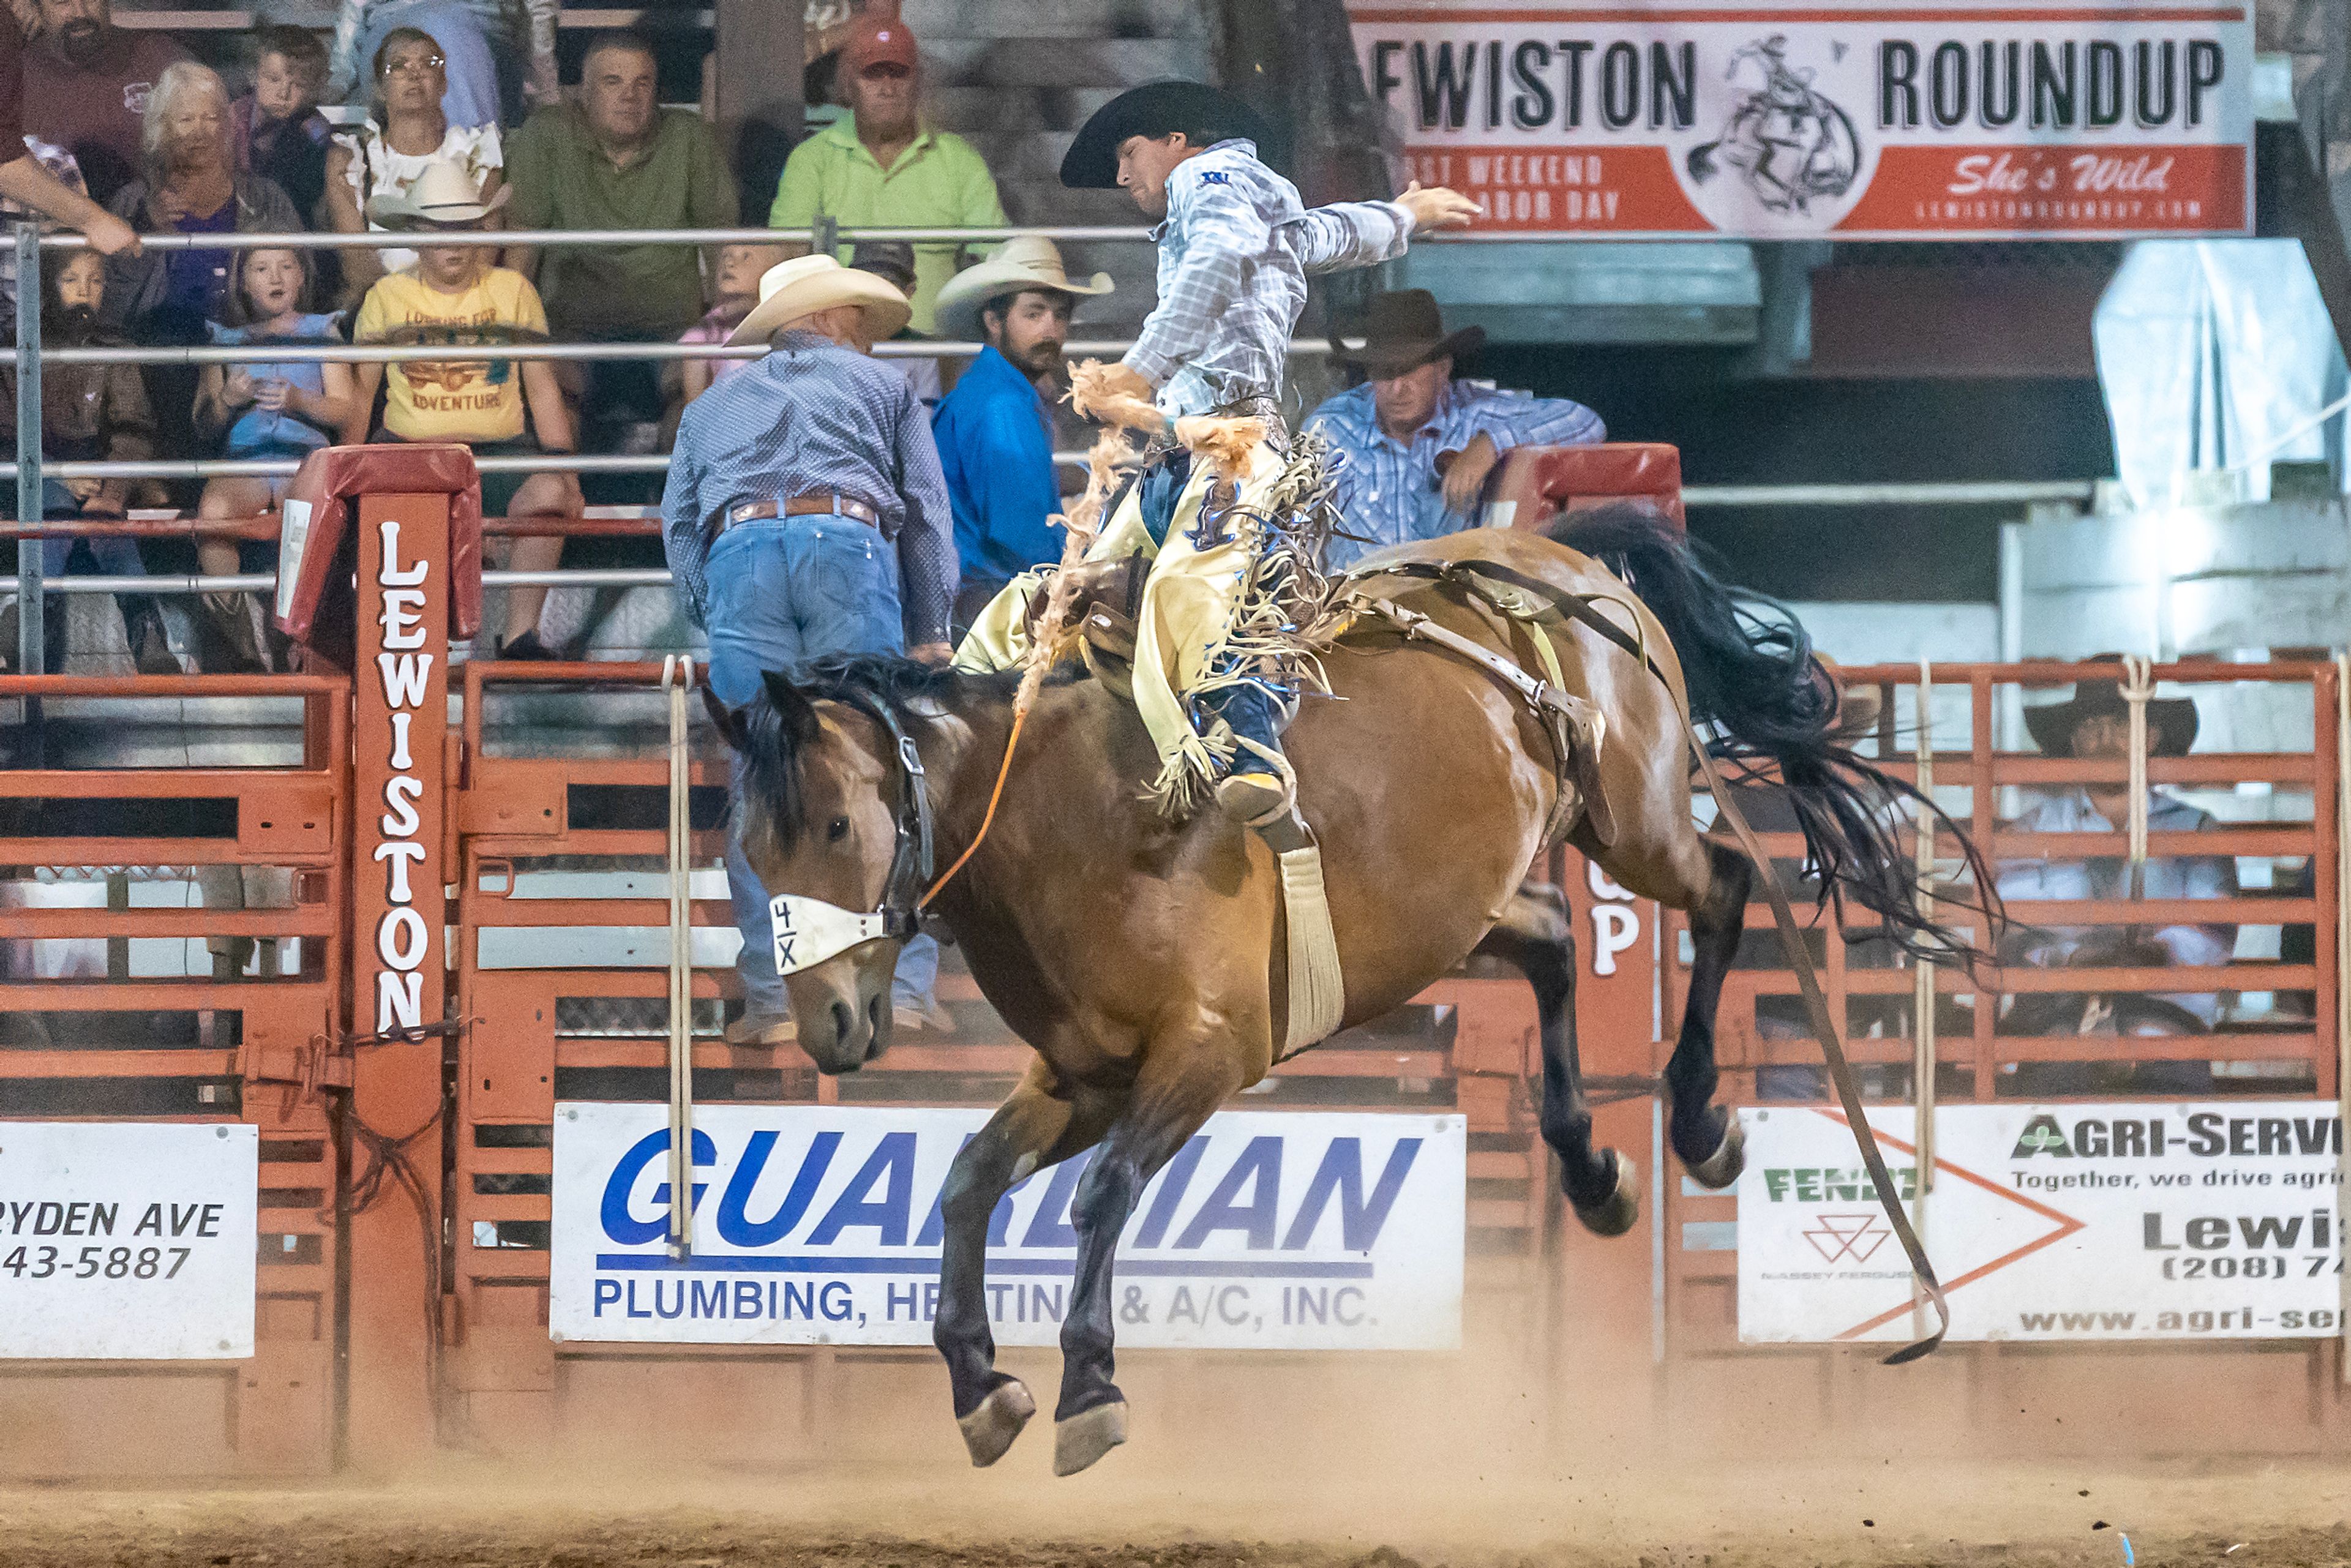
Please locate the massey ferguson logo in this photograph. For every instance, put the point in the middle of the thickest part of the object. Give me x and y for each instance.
(1840, 1237)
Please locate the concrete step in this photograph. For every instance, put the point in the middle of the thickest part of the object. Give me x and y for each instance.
(943, 19)
(1076, 63)
(1030, 158)
(972, 108)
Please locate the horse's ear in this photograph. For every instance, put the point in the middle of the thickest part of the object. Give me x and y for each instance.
(793, 709)
(730, 721)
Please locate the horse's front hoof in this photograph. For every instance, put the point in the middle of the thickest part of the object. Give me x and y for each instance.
(1720, 1168)
(1621, 1210)
(989, 1430)
(1087, 1437)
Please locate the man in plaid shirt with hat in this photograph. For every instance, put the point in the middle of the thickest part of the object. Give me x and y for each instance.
(1235, 246)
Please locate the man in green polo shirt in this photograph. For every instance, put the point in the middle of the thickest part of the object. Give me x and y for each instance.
(881, 166)
(617, 160)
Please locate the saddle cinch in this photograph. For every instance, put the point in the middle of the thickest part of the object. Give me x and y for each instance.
(1375, 600)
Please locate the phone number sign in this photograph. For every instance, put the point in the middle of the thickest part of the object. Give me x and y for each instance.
(130, 1241)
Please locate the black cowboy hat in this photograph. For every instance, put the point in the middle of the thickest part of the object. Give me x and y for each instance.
(2170, 721)
(1155, 109)
(1404, 331)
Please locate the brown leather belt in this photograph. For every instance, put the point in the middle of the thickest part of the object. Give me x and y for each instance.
(812, 503)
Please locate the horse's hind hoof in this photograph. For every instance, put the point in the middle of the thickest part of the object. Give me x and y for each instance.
(1720, 1168)
(1087, 1437)
(1621, 1210)
(989, 1430)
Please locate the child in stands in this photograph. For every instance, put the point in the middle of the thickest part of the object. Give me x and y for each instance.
(734, 289)
(280, 409)
(89, 413)
(453, 296)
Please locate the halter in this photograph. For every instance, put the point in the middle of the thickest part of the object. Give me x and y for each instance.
(810, 931)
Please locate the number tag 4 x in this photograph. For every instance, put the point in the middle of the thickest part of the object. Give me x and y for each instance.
(810, 931)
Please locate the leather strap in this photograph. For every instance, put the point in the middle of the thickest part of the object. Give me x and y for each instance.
(1783, 919)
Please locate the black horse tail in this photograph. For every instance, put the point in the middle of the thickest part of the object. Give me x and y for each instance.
(1752, 675)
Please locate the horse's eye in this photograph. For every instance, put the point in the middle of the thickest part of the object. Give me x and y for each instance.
(837, 829)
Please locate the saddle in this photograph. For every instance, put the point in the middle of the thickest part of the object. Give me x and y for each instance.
(1108, 598)
(1377, 597)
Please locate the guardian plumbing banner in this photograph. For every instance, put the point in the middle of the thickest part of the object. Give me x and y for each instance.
(821, 1225)
(1916, 120)
(130, 1240)
(2070, 1222)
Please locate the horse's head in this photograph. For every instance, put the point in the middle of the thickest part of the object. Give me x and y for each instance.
(836, 825)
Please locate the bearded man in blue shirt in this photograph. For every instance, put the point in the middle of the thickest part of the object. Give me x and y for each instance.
(1414, 447)
(994, 430)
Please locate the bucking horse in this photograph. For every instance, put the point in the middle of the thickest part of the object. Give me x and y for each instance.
(1145, 959)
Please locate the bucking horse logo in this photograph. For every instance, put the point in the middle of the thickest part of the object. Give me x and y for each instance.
(1793, 144)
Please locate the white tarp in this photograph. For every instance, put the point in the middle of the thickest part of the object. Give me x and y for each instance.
(819, 1224)
(2210, 352)
(2126, 1221)
(127, 1241)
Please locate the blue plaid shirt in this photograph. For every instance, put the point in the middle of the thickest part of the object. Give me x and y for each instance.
(1235, 251)
(813, 415)
(1389, 492)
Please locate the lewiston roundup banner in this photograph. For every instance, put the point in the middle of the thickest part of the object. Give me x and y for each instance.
(2051, 1222)
(1925, 119)
(819, 1224)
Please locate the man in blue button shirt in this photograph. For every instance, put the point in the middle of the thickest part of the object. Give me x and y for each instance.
(1414, 447)
(994, 431)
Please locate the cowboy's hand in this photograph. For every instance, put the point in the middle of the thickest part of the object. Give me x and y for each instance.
(1465, 480)
(930, 654)
(109, 236)
(1437, 207)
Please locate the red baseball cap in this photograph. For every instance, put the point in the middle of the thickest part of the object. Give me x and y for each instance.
(878, 41)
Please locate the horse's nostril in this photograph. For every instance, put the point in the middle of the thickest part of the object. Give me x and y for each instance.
(843, 1022)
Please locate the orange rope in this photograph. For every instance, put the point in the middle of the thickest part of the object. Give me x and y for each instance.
(1019, 718)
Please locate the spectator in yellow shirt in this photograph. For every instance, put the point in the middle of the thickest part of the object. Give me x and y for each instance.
(881, 166)
(453, 295)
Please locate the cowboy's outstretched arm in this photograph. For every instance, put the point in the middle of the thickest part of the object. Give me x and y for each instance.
(1364, 234)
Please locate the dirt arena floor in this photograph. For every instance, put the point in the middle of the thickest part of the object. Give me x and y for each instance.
(1139, 1508)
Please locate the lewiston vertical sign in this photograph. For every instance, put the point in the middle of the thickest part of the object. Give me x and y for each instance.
(1923, 119)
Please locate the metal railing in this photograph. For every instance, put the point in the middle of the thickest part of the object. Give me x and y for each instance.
(29, 469)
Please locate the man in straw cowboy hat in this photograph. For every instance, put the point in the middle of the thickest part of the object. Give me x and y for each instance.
(1414, 447)
(453, 295)
(994, 430)
(2095, 723)
(805, 516)
(1216, 657)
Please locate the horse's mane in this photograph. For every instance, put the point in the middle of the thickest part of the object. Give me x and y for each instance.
(775, 739)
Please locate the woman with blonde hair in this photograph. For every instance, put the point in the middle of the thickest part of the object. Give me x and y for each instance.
(190, 185)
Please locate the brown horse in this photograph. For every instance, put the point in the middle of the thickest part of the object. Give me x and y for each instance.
(1143, 960)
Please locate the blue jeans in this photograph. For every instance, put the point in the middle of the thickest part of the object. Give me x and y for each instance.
(784, 592)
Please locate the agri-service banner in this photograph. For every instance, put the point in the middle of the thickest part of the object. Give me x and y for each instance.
(1909, 118)
(2068, 1222)
(821, 1225)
